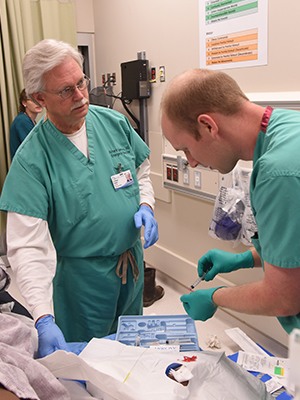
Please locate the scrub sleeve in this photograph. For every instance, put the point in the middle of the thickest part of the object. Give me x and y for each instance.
(91, 223)
(275, 193)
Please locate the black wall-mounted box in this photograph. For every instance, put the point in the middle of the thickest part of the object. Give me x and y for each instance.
(135, 79)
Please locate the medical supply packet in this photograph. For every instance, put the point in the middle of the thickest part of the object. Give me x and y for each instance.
(273, 366)
(274, 381)
(245, 343)
(164, 332)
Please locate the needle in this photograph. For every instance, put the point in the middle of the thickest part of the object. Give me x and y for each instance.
(127, 376)
(191, 288)
(197, 282)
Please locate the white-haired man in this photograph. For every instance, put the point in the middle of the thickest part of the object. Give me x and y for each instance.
(72, 219)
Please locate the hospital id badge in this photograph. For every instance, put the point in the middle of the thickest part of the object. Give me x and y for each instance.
(121, 180)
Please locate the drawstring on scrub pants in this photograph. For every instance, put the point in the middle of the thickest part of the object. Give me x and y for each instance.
(123, 259)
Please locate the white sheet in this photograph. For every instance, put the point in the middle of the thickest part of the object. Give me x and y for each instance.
(105, 364)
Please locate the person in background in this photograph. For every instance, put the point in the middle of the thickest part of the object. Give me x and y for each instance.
(206, 115)
(23, 123)
(73, 221)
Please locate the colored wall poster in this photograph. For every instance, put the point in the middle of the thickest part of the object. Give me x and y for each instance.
(233, 34)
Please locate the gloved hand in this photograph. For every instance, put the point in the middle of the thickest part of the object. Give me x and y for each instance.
(218, 261)
(76, 347)
(112, 336)
(199, 304)
(145, 217)
(50, 337)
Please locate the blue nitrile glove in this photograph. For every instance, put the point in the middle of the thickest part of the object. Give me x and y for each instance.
(145, 217)
(76, 347)
(218, 261)
(112, 336)
(199, 304)
(50, 337)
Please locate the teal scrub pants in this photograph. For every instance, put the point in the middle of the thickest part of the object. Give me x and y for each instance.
(89, 297)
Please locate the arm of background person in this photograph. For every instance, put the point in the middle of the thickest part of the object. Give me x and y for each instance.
(145, 215)
(277, 294)
(145, 184)
(32, 257)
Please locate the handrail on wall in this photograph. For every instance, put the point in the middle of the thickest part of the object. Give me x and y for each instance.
(289, 100)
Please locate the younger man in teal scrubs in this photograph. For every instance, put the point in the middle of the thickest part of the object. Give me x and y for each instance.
(205, 114)
(72, 219)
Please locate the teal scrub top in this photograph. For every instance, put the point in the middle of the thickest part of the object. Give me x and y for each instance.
(60, 185)
(91, 223)
(19, 129)
(275, 194)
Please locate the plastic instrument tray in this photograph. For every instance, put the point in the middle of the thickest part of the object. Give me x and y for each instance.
(146, 331)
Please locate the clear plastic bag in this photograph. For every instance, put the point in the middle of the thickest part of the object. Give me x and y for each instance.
(232, 218)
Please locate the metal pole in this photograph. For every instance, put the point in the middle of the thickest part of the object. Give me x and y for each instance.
(144, 120)
(144, 132)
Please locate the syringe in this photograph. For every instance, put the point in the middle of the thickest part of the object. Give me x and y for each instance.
(197, 281)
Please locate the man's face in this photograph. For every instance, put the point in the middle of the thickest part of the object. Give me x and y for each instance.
(66, 114)
(206, 151)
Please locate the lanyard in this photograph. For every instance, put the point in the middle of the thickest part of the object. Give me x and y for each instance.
(265, 119)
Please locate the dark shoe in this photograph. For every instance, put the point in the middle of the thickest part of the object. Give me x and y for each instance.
(152, 292)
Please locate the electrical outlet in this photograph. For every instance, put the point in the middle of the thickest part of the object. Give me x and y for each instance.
(108, 79)
(175, 173)
(153, 74)
(186, 176)
(103, 79)
(169, 172)
(197, 179)
(114, 79)
(162, 75)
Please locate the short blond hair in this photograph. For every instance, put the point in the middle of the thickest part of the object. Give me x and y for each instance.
(200, 91)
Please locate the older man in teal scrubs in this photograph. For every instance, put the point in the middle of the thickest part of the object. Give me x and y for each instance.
(73, 217)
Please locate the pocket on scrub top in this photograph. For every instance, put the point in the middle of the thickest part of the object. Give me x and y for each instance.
(131, 190)
(70, 207)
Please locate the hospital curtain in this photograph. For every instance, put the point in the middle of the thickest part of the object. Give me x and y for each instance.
(23, 23)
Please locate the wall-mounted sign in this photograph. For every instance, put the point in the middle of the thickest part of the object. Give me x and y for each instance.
(233, 34)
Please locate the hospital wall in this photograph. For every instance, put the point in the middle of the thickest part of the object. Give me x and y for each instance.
(168, 31)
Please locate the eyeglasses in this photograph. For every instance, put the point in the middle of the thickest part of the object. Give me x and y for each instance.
(68, 91)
